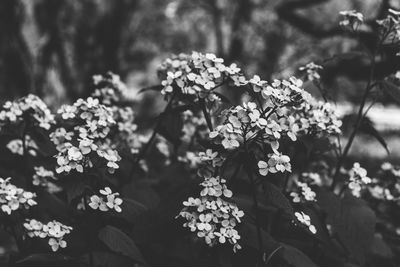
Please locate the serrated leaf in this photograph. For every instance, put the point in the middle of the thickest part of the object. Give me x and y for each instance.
(274, 197)
(352, 220)
(249, 237)
(117, 241)
(295, 257)
(131, 209)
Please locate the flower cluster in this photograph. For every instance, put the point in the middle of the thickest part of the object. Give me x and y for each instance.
(277, 162)
(387, 187)
(12, 198)
(317, 118)
(303, 193)
(16, 146)
(357, 179)
(351, 19)
(210, 214)
(30, 107)
(88, 136)
(312, 71)
(280, 93)
(198, 74)
(390, 27)
(110, 89)
(106, 201)
(53, 230)
(45, 178)
(305, 220)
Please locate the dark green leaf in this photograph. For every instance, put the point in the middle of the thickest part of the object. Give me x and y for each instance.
(46, 257)
(274, 197)
(249, 237)
(151, 88)
(380, 248)
(352, 220)
(131, 209)
(367, 127)
(392, 89)
(117, 241)
(295, 257)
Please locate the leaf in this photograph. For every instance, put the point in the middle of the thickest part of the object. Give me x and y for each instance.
(46, 257)
(151, 88)
(74, 187)
(273, 196)
(53, 205)
(131, 209)
(367, 127)
(295, 257)
(380, 248)
(352, 220)
(171, 127)
(392, 89)
(249, 237)
(117, 241)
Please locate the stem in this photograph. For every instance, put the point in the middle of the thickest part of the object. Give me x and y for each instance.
(90, 253)
(146, 147)
(256, 206)
(359, 119)
(202, 103)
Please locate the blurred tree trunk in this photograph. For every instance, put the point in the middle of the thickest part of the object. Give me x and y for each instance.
(16, 75)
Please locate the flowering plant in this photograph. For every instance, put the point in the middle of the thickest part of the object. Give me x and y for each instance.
(263, 182)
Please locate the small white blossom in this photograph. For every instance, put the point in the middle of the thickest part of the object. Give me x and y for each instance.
(53, 230)
(351, 19)
(305, 220)
(358, 178)
(106, 201)
(13, 198)
(30, 106)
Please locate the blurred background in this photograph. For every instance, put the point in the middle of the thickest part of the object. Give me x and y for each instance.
(53, 47)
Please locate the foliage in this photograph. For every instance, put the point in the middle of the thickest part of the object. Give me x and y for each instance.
(258, 184)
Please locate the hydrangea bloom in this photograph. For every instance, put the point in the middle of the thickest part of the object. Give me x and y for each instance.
(210, 214)
(358, 178)
(305, 220)
(87, 138)
(312, 71)
(110, 89)
(106, 201)
(16, 146)
(53, 230)
(303, 193)
(387, 187)
(390, 27)
(30, 106)
(13, 198)
(277, 162)
(45, 178)
(351, 19)
(198, 74)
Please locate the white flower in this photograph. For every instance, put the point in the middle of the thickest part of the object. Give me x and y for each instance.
(30, 106)
(351, 19)
(358, 178)
(13, 198)
(107, 201)
(277, 162)
(53, 230)
(305, 220)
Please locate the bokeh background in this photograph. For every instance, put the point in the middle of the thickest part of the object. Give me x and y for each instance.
(53, 47)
